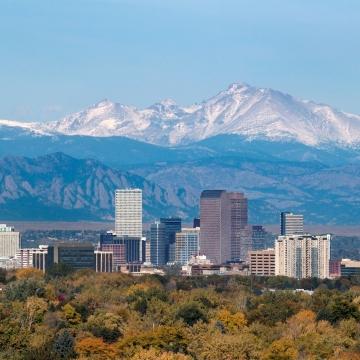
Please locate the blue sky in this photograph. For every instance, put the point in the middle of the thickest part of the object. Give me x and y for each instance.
(61, 56)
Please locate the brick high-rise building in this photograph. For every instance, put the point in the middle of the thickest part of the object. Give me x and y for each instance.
(215, 226)
(225, 234)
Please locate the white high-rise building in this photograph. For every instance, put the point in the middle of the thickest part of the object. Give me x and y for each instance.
(9, 241)
(292, 223)
(186, 245)
(128, 212)
(302, 256)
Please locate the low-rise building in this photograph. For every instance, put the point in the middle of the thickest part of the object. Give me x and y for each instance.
(103, 261)
(262, 262)
(350, 267)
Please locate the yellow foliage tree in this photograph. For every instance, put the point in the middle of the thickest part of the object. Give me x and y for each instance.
(232, 322)
(35, 308)
(94, 349)
(153, 354)
(282, 349)
(71, 315)
(28, 273)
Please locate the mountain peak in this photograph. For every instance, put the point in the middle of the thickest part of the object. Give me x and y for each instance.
(254, 113)
(103, 103)
(236, 87)
(168, 102)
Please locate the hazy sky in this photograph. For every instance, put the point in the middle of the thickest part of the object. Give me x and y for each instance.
(61, 56)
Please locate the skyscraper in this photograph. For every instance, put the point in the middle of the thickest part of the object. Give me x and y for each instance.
(291, 223)
(128, 212)
(302, 256)
(240, 233)
(9, 241)
(172, 226)
(186, 245)
(158, 244)
(258, 237)
(215, 226)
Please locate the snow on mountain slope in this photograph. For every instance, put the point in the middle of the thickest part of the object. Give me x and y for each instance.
(32, 127)
(254, 113)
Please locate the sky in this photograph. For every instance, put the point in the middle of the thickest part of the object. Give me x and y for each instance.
(58, 57)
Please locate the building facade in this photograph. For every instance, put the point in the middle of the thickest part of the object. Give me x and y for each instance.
(43, 258)
(262, 262)
(158, 244)
(302, 256)
(225, 234)
(258, 237)
(103, 261)
(10, 241)
(291, 224)
(125, 249)
(128, 212)
(76, 255)
(349, 267)
(186, 245)
(215, 226)
(240, 232)
(172, 226)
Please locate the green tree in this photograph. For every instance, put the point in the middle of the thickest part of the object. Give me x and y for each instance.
(191, 313)
(63, 345)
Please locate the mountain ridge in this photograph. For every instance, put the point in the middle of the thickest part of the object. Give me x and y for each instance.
(255, 113)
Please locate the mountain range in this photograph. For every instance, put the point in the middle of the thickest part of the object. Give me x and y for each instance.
(254, 113)
(284, 153)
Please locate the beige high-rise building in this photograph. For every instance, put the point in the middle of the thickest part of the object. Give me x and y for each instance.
(262, 262)
(9, 241)
(128, 212)
(302, 256)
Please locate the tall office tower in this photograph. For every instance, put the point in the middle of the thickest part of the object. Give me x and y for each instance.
(262, 262)
(302, 256)
(240, 233)
(215, 226)
(158, 244)
(291, 224)
(172, 226)
(258, 237)
(128, 212)
(9, 241)
(186, 245)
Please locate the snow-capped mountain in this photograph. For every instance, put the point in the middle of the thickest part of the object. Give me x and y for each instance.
(28, 127)
(240, 109)
(254, 113)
